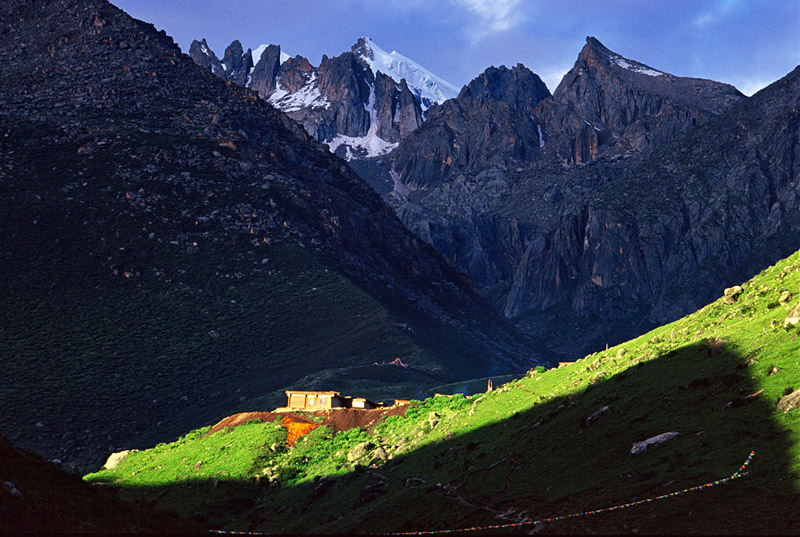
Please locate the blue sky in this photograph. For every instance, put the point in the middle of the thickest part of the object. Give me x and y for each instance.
(747, 43)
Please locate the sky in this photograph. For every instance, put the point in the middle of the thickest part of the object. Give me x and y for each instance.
(747, 43)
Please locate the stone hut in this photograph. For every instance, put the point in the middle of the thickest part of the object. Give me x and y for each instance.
(301, 400)
(361, 402)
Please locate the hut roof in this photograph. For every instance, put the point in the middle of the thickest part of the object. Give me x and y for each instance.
(301, 392)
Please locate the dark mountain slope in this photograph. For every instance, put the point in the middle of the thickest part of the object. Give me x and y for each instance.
(45, 499)
(660, 234)
(172, 246)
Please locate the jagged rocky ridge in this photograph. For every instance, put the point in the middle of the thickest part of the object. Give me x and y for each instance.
(361, 103)
(547, 205)
(125, 165)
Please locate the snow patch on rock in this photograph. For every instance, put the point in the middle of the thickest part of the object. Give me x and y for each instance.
(308, 96)
(636, 67)
(371, 144)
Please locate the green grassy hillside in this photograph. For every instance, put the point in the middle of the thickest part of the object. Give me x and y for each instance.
(525, 451)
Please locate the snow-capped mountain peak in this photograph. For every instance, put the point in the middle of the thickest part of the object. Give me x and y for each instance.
(429, 88)
(360, 108)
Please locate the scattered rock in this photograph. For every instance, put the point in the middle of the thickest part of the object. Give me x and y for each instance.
(412, 482)
(378, 475)
(433, 419)
(732, 294)
(734, 291)
(741, 401)
(598, 377)
(621, 353)
(793, 318)
(371, 493)
(323, 486)
(594, 416)
(87, 149)
(115, 458)
(359, 450)
(538, 527)
(640, 447)
(785, 297)
(379, 455)
(12, 489)
(790, 402)
(198, 465)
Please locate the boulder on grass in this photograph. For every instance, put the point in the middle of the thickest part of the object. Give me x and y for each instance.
(793, 319)
(640, 447)
(594, 416)
(790, 402)
(115, 458)
(359, 450)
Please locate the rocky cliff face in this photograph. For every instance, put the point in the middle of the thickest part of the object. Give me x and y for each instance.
(138, 187)
(538, 205)
(346, 102)
(666, 234)
(490, 123)
(235, 65)
(265, 71)
(203, 56)
(608, 103)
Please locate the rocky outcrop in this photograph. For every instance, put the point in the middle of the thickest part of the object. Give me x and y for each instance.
(607, 103)
(665, 234)
(266, 71)
(618, 198)
(488, 124)
(397, 111)
(357, 110)
(203, 56)
(237, 63)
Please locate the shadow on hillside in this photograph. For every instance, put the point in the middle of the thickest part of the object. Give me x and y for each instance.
(545, 461)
